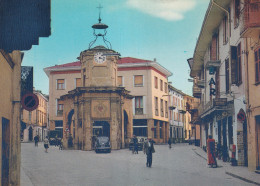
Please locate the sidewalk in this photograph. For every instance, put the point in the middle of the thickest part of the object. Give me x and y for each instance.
(25, 180)
(236, 171)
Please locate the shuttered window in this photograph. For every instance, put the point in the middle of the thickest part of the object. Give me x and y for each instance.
(239, 66)
(78, 82)
(161, 85)
(257, 65)
(225, 30)
(120, 81)
(236, 13)
(155, 82)
(138, 81)
(227, 74)
(156, 105)
(60, 84)
(59, 107)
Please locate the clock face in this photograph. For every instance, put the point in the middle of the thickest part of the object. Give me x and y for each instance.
(99, 58)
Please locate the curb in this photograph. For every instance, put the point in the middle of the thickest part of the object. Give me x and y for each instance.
(241, 178)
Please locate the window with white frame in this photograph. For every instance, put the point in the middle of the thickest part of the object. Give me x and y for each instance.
(139, 105)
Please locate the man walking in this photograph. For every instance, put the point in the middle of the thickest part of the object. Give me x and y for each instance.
(170, 143)
(36, 140)
(46, 144)
(149, 150)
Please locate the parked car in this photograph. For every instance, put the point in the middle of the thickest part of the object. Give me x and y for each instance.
(102, 143)
(141, 140)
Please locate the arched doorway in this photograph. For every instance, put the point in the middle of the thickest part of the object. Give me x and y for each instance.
(101, 128)
(125, 124)
(242, 124)
(30, 133)
(71, 113)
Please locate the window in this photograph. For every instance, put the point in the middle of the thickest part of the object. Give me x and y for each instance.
(156, 105)
(165, 87)
(78, 82)
(59, 107)
(225, 30)
(227, 74)
(138, 81)
(161, 85)
(257, 65)
(120, 81)
(236, 13)
(60, 84)
(138, 105)
(166, 109)
(161, 125)
(155, 82)
(239, 70)
(162, 113)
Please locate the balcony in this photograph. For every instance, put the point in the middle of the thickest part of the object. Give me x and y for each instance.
(217, 104)
(59, 112)
(250, 18)
(201, 83)
(139, 111)
(196, 91)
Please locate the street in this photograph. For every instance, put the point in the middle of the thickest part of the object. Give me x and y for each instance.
(177, 166)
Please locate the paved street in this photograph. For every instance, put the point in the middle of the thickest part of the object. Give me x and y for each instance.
(180, 165)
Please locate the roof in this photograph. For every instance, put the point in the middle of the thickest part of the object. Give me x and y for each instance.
(77, 63)
(126, 60)
(122, 62)
(213, 17)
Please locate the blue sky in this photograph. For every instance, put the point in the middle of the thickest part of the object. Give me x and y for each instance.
(163, 29)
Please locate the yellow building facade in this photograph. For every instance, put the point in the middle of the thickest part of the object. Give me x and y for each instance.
(35, 121)
(10, 149)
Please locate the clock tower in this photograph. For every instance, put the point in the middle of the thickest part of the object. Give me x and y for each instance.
(99, 67)
(98, 107)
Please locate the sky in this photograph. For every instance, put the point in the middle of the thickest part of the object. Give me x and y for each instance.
(163, 29)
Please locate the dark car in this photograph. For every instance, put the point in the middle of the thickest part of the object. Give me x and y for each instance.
(102, 143)
(140, 143)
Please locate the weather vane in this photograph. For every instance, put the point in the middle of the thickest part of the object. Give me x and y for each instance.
(100, 26)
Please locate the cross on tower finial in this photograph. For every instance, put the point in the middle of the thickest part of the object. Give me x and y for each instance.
(99, 7)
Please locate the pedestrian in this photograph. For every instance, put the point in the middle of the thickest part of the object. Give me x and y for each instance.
(46, 144)
(170, 143)
(145, 141)
(211, 152)
(149, 150)
(36, 140)
(135, 140)
(61, 143)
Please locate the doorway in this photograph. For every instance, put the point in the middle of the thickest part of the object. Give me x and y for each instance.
(245, 142)
(125, 124)
(30, 133)
(101, 128)
(257, 118)
(5, 150)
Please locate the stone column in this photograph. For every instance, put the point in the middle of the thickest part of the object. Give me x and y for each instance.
(88, 126)
(163, 132)
(150, 125)
(158, 131)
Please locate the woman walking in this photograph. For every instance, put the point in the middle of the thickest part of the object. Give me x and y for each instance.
(46, 144)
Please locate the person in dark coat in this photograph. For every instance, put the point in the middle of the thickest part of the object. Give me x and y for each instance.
(170, 143)
(135, 140)
(149, 150)
(36, 140)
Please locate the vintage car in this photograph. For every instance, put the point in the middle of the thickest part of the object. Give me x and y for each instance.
(102, 143)
(141, 140)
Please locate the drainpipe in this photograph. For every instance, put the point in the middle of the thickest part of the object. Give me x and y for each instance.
(247, 86)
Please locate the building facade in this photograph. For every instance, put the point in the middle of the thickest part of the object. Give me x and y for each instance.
(147, 81)
(10, 149)
(35, 121)
(222, 77)
(177, 114)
